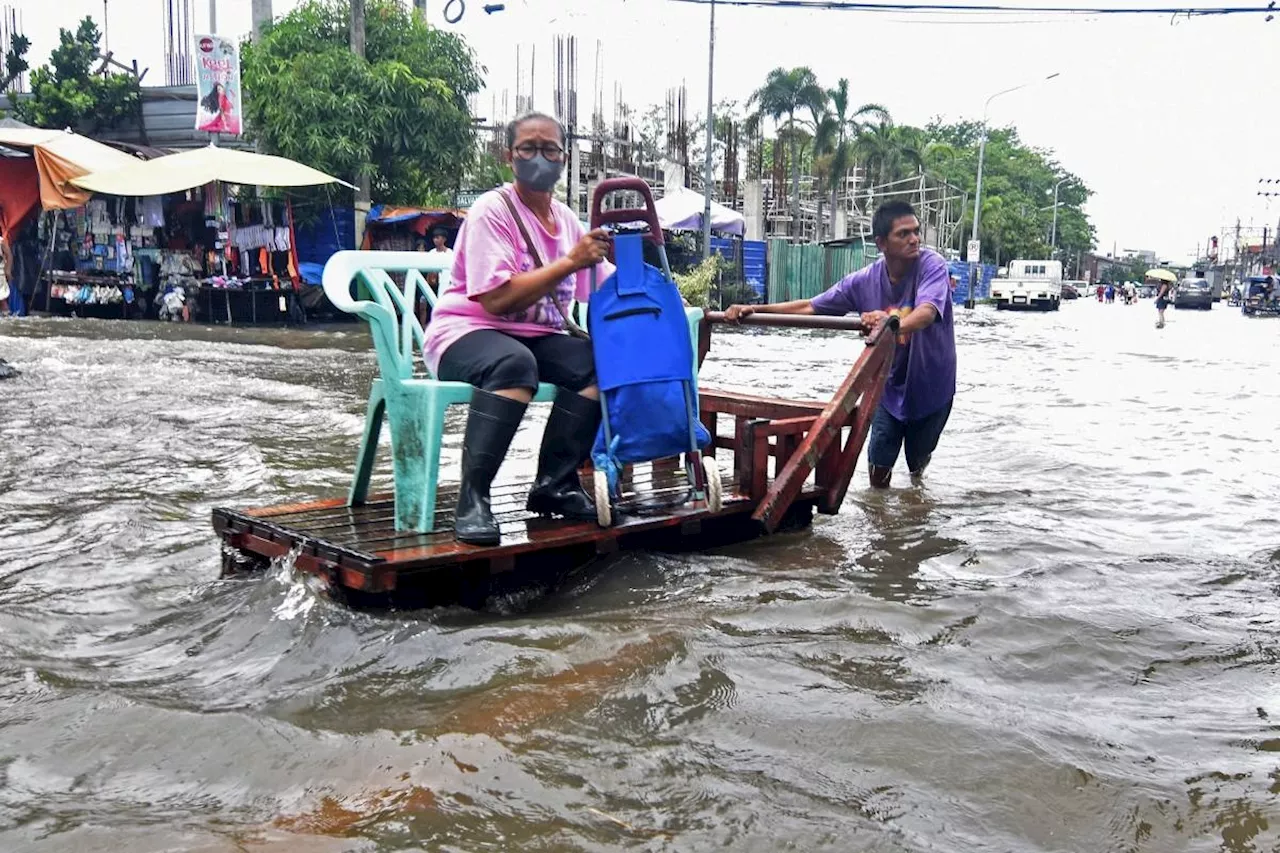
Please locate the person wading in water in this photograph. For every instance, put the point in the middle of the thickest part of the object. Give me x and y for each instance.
(913, 284)
(1163, 297)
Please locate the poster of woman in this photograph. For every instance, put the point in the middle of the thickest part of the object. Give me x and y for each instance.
(218, 85)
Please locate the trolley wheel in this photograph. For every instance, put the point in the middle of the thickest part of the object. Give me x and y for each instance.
(604, 514)
(715, 486)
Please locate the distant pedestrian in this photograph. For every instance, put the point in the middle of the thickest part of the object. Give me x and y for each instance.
(1164, 295)
(1101, 292)
(1111, 294)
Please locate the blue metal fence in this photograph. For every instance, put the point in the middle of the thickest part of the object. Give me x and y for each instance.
(960, 270)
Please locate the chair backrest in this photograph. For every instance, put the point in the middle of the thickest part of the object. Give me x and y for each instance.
(387, 307)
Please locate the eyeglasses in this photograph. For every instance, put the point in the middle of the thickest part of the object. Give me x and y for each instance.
(552, 152)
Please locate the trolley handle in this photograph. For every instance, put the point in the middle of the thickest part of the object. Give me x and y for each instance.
(647, 214)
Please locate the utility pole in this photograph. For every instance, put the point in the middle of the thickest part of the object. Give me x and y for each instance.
(711, 123)
(361, 180)
(1053, 237)
(976, 264)
(1239, 263)
(213, 17)
(261, 11)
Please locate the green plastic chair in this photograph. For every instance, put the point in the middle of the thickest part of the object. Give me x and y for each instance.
(414, 405)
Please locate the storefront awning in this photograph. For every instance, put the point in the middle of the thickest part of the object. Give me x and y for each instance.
(187, 169)
(59, 157)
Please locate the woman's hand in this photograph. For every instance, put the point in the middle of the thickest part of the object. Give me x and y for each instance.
(590, 250)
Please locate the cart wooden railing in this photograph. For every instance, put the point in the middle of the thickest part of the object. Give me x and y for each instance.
(804, 439)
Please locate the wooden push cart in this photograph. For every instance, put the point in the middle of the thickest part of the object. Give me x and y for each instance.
(789, 458)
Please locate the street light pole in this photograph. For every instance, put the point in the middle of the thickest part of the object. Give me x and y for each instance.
(977, 195)
(711, 121)
(1053, 233)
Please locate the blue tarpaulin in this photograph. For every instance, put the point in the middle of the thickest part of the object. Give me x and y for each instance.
(317, 240)
(960, 270)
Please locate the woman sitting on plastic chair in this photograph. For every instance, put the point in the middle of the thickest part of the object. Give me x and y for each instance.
(502, 325)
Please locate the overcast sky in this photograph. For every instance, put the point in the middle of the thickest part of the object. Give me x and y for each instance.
(1171, 123)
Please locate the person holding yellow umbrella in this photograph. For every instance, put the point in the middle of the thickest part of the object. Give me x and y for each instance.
(1164, 281)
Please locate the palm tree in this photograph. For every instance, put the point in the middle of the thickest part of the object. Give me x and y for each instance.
(894, 152)
(876, 146)
(835, 134)
(784, 93)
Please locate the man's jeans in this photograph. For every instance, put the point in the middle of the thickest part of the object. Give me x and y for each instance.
(888, 435)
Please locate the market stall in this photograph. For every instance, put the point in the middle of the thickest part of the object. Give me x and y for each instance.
(409, 229)
(35, 175)
(207, 244)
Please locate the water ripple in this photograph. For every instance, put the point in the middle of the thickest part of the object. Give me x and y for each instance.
(1067, 639)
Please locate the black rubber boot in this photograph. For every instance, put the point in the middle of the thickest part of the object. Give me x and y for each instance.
(491, 424)
(566, 443)
(880, 476)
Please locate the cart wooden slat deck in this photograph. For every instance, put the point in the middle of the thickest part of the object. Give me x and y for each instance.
(790, 457)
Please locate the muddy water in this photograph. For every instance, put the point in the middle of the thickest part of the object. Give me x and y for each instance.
(1066, 640)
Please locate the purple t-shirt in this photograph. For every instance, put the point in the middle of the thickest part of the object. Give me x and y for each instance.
(923, 378)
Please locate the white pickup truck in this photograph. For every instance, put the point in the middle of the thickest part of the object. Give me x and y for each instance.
(1029, 286)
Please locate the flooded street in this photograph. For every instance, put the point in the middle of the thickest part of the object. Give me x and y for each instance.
(1067, 640)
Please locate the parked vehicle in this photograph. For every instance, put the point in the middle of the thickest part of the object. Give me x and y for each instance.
(1262, 299)
(1194, 293)
(1029, 286)
(1073, 289)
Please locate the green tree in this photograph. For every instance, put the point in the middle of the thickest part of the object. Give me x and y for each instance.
(15, 60)
(1022, 178)
(835, 136)
(784, 93)
(488, 171)
(66, 92)
(398, 115)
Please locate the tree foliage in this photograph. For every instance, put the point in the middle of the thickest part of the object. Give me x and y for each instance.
(1018, 180)
(398, 115)
(66, 92)
(1017, 192)
(785, 92)
(15, 59)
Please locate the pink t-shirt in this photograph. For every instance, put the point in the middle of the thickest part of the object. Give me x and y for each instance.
(488, 253)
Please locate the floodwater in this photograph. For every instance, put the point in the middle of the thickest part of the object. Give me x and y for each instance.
(1067, 640)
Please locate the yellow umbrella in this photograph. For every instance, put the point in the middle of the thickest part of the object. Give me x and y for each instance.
(1162, 275)
(186, 169)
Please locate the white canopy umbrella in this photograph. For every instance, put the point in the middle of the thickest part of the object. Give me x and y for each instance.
(681, 210)
(197, 167)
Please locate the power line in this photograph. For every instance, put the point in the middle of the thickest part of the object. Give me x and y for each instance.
(862, 6)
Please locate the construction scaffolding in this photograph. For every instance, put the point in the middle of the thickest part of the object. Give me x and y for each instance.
(658, 145)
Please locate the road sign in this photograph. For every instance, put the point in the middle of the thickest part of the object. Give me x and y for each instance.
(973, 255)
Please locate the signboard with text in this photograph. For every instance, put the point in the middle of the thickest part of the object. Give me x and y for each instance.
(218, 85)
(974, 250)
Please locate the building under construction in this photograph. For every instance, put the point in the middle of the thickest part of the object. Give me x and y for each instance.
(663, 145)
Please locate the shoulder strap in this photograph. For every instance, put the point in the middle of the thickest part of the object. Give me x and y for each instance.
(524, 231)
(574, 329)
